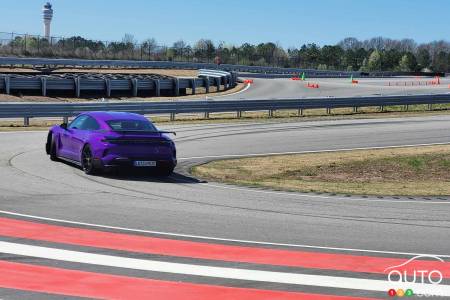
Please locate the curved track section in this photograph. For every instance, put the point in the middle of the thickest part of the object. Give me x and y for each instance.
(182, 208)
(335, 87)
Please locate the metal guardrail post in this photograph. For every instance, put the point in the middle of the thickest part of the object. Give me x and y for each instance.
(66, 119)
(225, 83)
(270, 113)
(77, 87)
(44, 86)
(217, 79)
(193, 86)
(176, 82)
(108, 87)
(329, 110)
(355, 109)
(157, 88)
(206, 80)
(300, 112)
(134, 85)
(26, 121)
(7, 84)
(172, 116)
(430, 106)
(239, 114)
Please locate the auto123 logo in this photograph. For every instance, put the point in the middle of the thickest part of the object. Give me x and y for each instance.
(403, 274)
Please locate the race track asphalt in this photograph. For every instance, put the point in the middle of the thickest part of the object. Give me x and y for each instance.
(31, 184)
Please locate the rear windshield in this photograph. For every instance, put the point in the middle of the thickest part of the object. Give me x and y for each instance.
(131, 125)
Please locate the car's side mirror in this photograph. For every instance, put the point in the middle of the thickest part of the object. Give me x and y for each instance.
(63, 126)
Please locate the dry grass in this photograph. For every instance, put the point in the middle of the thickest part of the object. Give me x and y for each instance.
(401, 171)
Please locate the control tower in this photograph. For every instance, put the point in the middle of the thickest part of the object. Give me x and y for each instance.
(47, 13)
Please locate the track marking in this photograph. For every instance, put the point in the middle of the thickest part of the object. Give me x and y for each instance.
(201, 250)
(218, 272)
(105, 286)
(235, 93)
(220, 239)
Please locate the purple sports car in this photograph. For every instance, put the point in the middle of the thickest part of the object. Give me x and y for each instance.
(99, 140)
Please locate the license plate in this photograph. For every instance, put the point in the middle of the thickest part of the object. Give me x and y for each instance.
(144, 163)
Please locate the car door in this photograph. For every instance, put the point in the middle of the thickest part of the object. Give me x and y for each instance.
(67, 147)
(81, 135)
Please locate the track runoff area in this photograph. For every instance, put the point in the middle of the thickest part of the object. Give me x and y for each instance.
(65, 234)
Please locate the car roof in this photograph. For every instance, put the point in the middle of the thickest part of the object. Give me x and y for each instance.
(114, 115)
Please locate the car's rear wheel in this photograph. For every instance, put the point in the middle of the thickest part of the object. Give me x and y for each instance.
(87, 161)
(165, 171)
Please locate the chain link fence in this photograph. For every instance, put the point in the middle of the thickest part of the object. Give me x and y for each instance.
(26, 45)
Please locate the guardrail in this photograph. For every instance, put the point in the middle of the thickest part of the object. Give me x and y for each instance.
(265, 71)
(110, 83)
(29, 110)
(59, 62)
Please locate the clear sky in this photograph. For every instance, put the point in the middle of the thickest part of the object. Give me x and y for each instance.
(288, 22)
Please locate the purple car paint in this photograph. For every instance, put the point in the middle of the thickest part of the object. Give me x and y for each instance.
(100, 140)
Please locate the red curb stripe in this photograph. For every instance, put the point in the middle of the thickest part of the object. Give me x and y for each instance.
(94, 285)
(160, 246)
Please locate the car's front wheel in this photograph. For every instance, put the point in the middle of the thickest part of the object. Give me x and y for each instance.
(51, 148)
(87, 161)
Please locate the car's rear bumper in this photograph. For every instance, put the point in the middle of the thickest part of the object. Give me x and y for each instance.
(125, 162)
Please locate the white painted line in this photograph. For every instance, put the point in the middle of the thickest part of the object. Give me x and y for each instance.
(219, 272)
(202, 237)
(236, 93)
(311, 151)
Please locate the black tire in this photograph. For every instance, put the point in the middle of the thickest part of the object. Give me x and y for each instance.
(167, 171)
(87, 162)
(51, 148)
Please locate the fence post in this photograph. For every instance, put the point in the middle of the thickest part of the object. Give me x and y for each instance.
(44, 86)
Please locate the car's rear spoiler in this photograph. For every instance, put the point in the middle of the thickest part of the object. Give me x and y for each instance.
(168, 132)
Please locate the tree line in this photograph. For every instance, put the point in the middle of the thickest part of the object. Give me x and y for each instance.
(350, 54)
